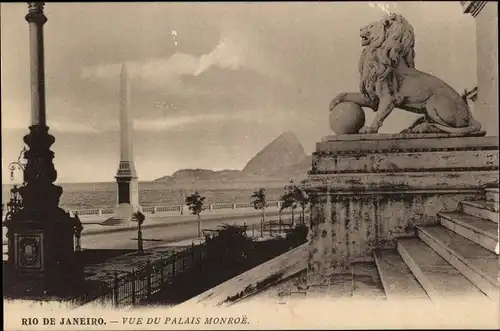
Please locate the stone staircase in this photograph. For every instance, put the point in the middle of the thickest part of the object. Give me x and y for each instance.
(111, 221)
(456, 259)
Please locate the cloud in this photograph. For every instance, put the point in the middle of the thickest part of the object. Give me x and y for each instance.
(155, 124)
(234, 51)
(70, 127)
(230, 54)
(180, 122)
(386, 7)
(57, 126)
(174, 123)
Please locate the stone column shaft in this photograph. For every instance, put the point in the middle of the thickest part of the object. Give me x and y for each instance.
(36, 20)
(126, 176)
(126, 147)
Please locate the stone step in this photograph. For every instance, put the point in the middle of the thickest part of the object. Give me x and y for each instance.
(492, 200)
(479, 208)
(440, 280)
(478, 230)
(397, 279)
(339, 286)
(492, 194)
(112, 221)
(493, 205)
(476, 263)
(366, 281)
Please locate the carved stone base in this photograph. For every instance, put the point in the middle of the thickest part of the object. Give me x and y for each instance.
(397, 136)
(42, 259)
(368, 192)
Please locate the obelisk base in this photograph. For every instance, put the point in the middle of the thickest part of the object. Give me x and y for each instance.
(122, 215)
(124, 211)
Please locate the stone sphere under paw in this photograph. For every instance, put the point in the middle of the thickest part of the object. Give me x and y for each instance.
(347, 118)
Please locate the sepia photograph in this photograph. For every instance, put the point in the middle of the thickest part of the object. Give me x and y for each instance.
(250, 165)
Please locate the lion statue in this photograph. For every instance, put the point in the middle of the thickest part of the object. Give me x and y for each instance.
(390, 80)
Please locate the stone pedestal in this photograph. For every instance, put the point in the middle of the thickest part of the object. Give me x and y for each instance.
(123, 212)
(42, 260)
(127, 193)
(370, 189)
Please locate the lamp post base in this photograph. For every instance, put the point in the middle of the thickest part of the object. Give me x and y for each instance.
(42, 261)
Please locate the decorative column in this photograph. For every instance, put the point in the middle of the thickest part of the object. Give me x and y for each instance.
(485, 14)
(40, 234)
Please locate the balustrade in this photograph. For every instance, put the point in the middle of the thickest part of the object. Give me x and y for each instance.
(177, 208)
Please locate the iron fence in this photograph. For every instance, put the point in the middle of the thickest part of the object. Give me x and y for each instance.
(131, 288)
(276, 226)
(137, 285)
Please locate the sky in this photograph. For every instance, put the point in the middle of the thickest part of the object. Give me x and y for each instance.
(211, 83)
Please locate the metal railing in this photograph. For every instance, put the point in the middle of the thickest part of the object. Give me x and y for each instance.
(137, 285)
(275, 227)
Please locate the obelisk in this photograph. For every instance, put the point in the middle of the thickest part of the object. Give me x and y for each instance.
(126, 176)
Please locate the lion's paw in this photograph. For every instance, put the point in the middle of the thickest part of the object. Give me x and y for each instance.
(368, 130)
(425, 127)
(338, 99)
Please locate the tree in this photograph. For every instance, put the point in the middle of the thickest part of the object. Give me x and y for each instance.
(182, 202)
(288, 201)
(303, 197)
(294, 197)
(259, 202)
(139, 218)
(195, 205)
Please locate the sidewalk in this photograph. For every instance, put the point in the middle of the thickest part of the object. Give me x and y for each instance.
(160, 213)
(92, 227)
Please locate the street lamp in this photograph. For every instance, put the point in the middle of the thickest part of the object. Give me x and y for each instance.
(139, 218)
(182, 202)
(19, 164)
(40, 234)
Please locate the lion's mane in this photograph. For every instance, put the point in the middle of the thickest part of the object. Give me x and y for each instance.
(392, 40)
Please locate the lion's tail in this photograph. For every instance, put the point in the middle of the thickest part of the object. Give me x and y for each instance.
(474, 126)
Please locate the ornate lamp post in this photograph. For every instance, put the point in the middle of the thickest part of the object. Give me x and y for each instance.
(40, 234)
(182, 202)
(139, 218)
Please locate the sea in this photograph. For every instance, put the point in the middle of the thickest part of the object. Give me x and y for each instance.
(103, 195)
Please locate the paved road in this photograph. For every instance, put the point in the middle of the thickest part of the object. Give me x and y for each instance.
(158, 236)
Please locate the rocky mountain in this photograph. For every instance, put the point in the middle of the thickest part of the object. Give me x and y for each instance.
(281, 159)
(298, 170)
(193, 175)
(284, 151)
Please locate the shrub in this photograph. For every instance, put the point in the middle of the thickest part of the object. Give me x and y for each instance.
(229, 242)
(298, 235)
